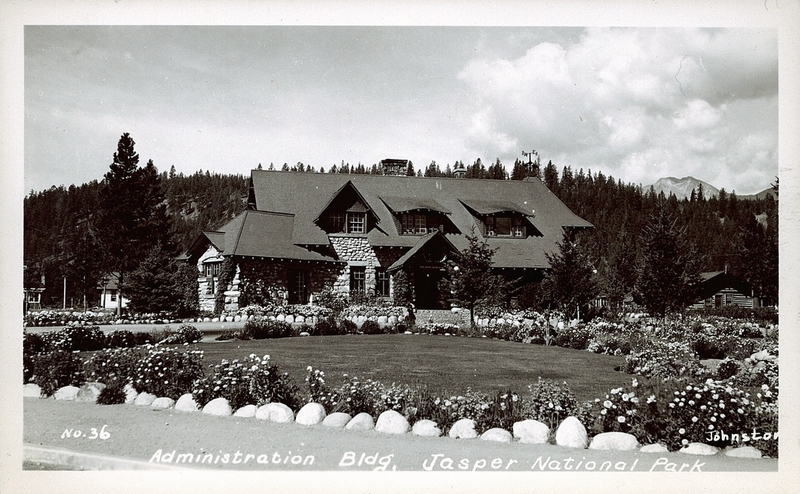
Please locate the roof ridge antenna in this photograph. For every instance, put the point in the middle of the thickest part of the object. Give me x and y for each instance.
(533, 167)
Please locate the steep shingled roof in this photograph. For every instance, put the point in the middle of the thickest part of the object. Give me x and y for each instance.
(259, 234)
(305, 195)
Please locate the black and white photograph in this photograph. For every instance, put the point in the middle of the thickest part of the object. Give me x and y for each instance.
(499, 253)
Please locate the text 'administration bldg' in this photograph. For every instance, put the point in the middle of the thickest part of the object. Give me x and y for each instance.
(305, 232)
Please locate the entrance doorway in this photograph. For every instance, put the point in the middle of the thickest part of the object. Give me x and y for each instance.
(426, 288)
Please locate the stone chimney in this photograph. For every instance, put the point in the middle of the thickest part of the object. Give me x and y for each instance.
(391, 166)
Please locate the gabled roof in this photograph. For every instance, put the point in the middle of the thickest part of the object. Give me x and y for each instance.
(420, 245)
(260, 234)
(306, 195)
(712, 282)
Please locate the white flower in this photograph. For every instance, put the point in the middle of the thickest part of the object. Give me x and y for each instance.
(621, 419)
(694, 419)
(607, 404)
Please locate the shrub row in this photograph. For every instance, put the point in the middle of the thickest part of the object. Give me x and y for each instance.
(673, 412)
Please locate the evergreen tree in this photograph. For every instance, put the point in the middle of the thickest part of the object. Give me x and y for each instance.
(520, 171)
(132, 213)
(666, 277)
(470, 277)
(153, 287)
(569, 283)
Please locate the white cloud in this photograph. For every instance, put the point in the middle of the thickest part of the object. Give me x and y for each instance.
(635, 103)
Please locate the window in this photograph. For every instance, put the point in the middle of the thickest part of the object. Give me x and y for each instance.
(358, 278)
(504, 226)
(337, 222)
(415, 224)
(350, 222)
(517, 229)
(356, 222)
(298, 294)
(212, 268)
(381, 282)
(113, 295)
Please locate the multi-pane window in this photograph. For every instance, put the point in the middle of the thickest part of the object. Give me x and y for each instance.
(504, 226)
(517, 228)
(414, 224)
(358, 277)
(356, 222)
(337, 222)
(351, 222)
(381, 282)
(212, 268)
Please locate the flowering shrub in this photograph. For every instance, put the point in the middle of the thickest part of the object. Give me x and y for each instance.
(664, 361)
(503, 410)
(372, 312)
(438, 328)
(121, 339)
(576, 337)
(550, 402)
(250, 381)
(32, 345)
(356, 396)
(73, 338)
(165, 371)
(114, 367)
(676, 413)
(186, 333)
(55, 369)
(326, 326)
(62, 317)
(727, 368)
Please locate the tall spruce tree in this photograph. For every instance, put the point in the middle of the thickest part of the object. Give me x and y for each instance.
(570, 283)
(133, 216)
(666, 274)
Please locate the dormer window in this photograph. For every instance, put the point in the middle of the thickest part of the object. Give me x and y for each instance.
(347, 212)
(356, 222)
(349, 222)
(505, 226)
(337, 221)
(414, 224)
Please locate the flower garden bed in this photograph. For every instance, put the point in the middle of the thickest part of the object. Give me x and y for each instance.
(682, 401)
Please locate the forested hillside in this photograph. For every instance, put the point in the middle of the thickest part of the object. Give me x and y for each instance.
(62, 238)
(61, 235)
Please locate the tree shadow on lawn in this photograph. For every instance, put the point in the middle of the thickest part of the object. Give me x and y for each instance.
(451, 364)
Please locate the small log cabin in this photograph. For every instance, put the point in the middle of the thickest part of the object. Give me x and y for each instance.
(303, 233)
(721, 289)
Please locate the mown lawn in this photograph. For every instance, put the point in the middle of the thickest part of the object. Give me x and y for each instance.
(442, 363)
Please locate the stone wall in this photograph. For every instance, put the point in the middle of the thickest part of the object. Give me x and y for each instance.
(207, 285)
(357, 252)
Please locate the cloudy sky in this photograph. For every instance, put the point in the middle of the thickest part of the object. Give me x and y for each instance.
(637, 104)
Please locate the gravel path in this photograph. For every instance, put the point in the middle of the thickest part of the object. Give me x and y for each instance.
(157, 438)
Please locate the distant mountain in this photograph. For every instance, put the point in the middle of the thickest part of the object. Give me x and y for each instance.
(761, 195)
(682, 188)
